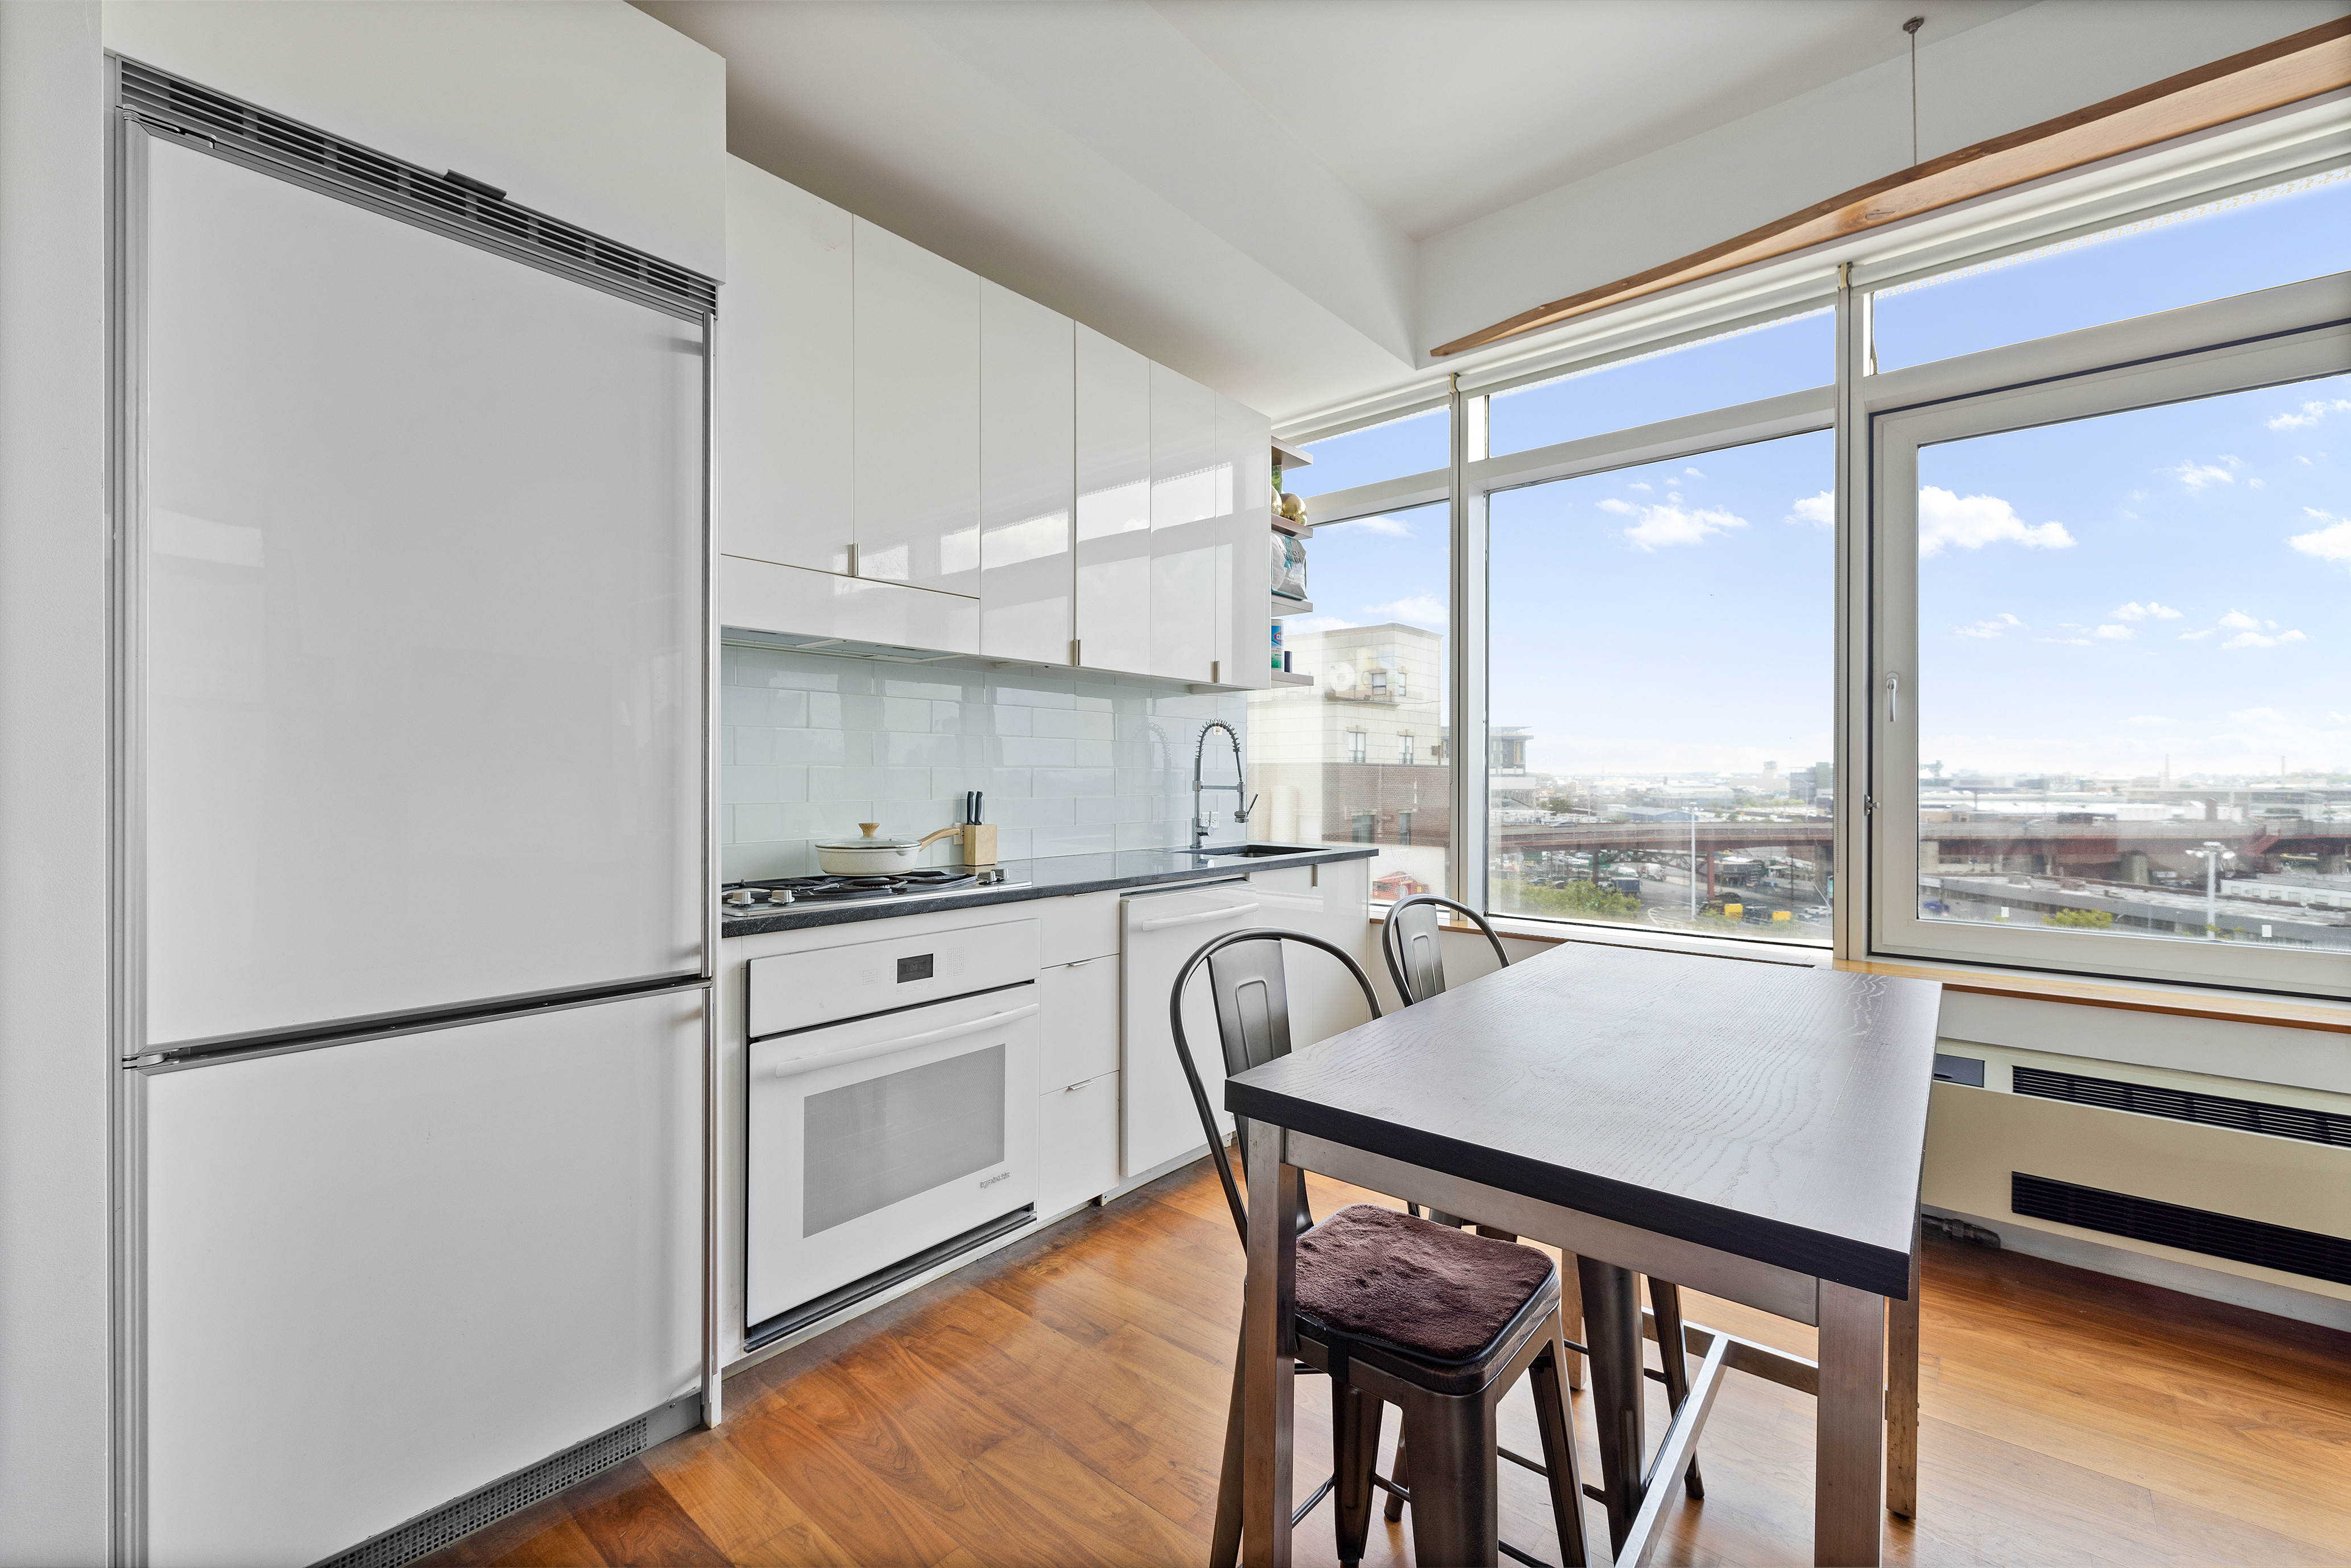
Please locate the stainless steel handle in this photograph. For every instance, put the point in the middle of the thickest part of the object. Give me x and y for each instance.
(1166, 920)
(799, 1065)
(1893, 695)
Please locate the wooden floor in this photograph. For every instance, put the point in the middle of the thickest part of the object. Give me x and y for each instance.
(1063, 1402)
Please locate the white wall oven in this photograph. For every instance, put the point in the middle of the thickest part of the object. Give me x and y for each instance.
(892, 1114)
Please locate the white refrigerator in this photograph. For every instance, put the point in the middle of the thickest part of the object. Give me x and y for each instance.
(414, 918)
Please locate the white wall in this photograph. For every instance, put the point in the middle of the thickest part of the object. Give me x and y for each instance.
(53, 997)
(588, 110)
(2018, 70)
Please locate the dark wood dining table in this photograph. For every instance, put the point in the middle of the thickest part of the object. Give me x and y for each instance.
(1752, 1130)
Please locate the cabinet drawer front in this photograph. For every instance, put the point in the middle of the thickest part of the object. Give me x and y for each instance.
(1077, 1143)
(1080, 1022)
(1083, 927)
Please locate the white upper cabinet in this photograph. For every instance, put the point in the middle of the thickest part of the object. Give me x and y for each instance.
(787, 487)
(1027, 474)
(1113, 484)
(1182, 542)
(1244, 577)
(917, 414)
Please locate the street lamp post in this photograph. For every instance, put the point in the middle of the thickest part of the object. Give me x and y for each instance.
(1692, 807)
(2212, 853)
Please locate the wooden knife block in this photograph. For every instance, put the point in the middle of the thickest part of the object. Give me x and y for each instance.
(979, 844)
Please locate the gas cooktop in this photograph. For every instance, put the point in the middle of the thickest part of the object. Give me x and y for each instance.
(777, 891)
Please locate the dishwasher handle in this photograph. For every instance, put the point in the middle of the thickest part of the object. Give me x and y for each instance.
(1164, 921)
(799, 1065)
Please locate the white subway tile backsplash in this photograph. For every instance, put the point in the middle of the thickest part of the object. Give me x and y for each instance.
(1073, 764)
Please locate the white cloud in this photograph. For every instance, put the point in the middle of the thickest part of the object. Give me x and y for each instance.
(2332, 543)
(2238, 620)
(1819, 511)
(1975, 521)
(2310, 413)
(2149, 719)
(2195, 636)
(1993, 628)
(1693, 474)
(2137, 611)
(1675, 496)
(2066, 641)
(2196, 476)
(2114, 633)
(2255, 639)
(1421, 610)
(1670, 524)
(1636, 485)
(1395, 528)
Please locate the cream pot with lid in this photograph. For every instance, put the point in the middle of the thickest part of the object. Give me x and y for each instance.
(873, 856)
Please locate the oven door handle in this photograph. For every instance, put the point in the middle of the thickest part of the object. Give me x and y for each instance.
(799, 1065)
(1164, 921)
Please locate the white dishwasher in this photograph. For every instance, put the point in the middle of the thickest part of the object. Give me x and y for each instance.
(1158, 1123)
(891, 1111)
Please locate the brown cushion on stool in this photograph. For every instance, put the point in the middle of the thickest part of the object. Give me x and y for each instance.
(1428, 1288)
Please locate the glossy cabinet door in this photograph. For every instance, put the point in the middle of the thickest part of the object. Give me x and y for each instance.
(1183, 541)
(1113, 484)
(787, 485)
(1027, 474)
(1243, 532)
(917, 414)
(1077, 1144)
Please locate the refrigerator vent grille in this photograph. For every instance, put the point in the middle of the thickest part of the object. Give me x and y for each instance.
(171, 102)
(2180, 1105)
(2255, 1241)
(428, 1532)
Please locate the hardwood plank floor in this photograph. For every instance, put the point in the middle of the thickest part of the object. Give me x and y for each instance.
(1063, 1402)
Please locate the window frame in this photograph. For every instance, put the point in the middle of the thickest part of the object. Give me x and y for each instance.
(2272, 338)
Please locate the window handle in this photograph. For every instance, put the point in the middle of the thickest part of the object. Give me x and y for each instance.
(1893, 695)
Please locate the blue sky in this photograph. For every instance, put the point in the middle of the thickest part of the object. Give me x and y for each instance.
(2100, 594)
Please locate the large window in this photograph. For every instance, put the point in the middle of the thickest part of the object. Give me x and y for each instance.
(1351, 750)
(2112, 615)
(1411, 443)
(1663, 694)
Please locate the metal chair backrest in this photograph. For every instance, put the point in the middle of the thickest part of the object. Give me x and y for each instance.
(1414, 950)
(1252, 1003)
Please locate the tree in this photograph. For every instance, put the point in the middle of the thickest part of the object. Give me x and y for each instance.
(2081, 919)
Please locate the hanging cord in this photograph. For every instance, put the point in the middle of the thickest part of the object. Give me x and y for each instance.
(1911, 27)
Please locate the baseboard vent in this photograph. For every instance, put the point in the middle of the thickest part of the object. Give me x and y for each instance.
(431, 1531)
(2187, 1106)
(2255, 1241)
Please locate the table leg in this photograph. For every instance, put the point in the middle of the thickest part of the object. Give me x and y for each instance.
(1269, 1334)
(1612, 1325)
(1902, 1396)
(1849, 1521)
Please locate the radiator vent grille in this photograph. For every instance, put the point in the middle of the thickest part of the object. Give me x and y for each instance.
(2181, 1105)
(2255, 1241)
(167, 100)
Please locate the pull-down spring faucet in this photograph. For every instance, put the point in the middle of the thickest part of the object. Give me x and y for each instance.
(1201, 818)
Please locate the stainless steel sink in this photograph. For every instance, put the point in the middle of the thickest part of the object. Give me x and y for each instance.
(1254, 851)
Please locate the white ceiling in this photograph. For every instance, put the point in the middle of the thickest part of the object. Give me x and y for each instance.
(1293, 199)
(1438, 112)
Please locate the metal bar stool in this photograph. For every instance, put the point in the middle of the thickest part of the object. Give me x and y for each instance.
(1395, 1310)
(1607, 1299)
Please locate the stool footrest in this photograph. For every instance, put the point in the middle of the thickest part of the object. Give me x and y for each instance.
(1308, 1506)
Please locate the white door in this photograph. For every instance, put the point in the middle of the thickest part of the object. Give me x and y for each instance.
(423, 569)
(786, 491)
(1182, 536)
(1244, 640)
(1027, 450)
(1113, 502)
(917, 414)
(380, 1274)
(1159, 1121)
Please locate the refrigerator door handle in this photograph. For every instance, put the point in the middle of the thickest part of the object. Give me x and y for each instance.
(799, 1065)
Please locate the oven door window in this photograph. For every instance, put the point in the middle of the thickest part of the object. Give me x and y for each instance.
(870, 1144)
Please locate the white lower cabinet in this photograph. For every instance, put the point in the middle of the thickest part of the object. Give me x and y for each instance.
(1077, 1143)
(1079, 1023)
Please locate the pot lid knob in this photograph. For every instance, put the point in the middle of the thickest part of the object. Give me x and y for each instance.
(871, 828)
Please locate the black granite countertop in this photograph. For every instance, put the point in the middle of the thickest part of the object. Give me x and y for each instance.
(1052, 877)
